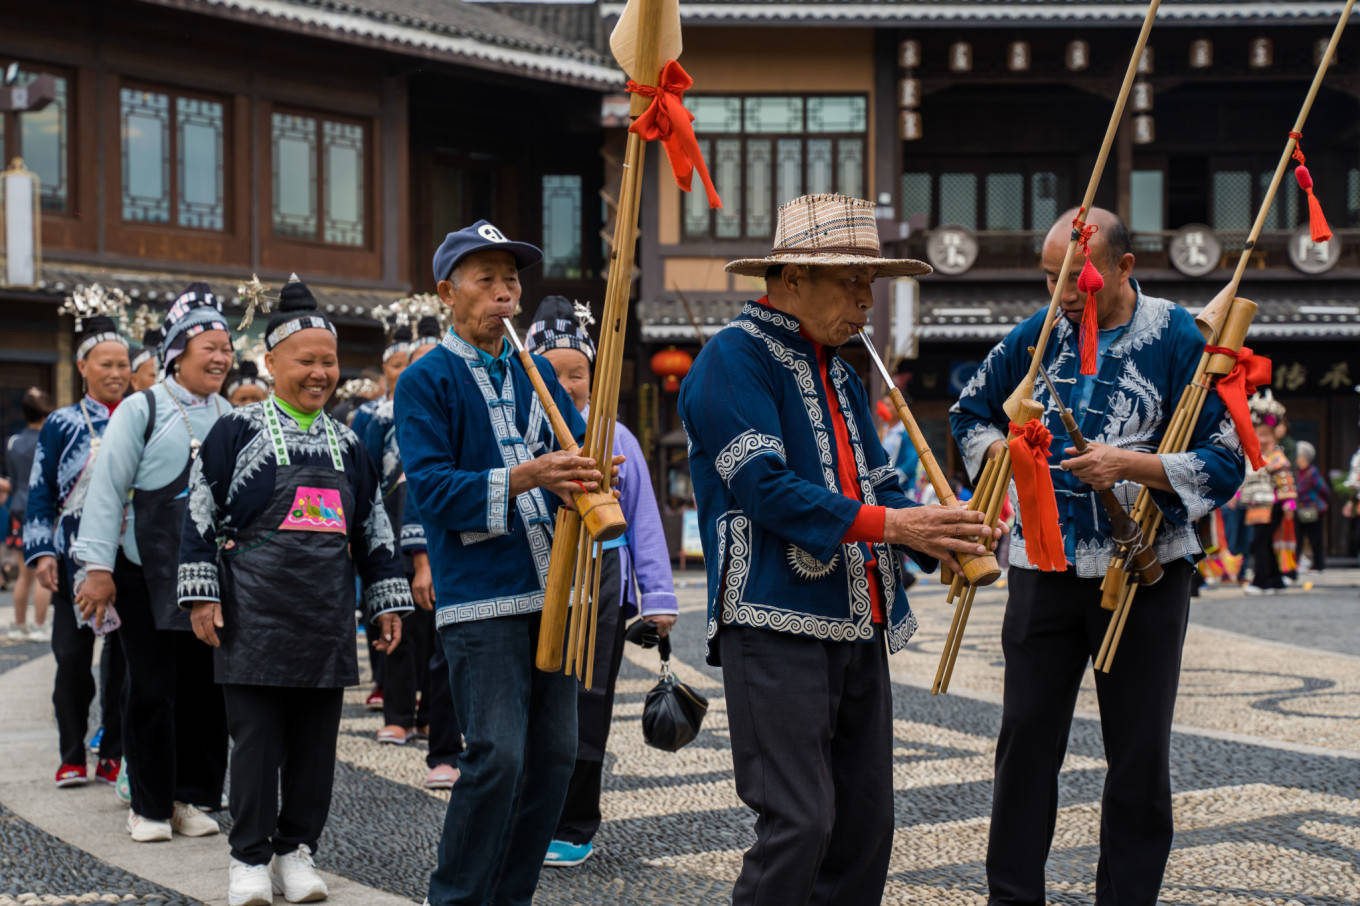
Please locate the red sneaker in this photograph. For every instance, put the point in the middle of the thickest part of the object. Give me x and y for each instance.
(374, 702)
(72, 775)
(107, 771)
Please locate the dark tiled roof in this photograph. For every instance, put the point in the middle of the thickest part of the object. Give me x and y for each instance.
(471, 34)
(579, 23)
(977, 12)
(161, 288)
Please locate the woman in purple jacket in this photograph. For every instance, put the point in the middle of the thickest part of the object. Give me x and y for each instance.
(636, 573)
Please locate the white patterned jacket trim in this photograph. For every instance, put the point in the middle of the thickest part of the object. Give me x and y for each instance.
(489, 608)
(744, 448)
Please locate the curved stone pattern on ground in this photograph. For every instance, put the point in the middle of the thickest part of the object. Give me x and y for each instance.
(1265, 765)
(37, 869)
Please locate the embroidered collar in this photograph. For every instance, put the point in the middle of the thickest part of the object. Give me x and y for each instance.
(95, 408)
(785, 328)
(187, 397)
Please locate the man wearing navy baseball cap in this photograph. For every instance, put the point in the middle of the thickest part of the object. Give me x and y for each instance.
(486, 476)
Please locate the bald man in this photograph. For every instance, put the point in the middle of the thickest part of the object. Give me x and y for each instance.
(1148, 350)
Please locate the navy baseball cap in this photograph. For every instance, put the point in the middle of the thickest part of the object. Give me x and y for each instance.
(479, 237)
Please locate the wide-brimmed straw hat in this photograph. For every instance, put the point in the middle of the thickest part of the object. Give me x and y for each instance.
(828, 230)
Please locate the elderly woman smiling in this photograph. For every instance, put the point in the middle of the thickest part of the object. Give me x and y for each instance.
(283, 508)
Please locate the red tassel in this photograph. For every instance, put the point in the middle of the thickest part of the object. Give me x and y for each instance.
(1317, 223)
(1089, 282)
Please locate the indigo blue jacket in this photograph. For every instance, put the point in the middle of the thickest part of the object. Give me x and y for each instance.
(762, 456)
(1138, 385)
(63, 465)
(459, 437)
(380, 440)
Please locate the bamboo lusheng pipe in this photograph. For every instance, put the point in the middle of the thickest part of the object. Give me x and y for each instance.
(978, 569)
(960, 592)
(1223, 322)
(1125, 532)
(956, 588)
(557, 596)
(644, 65)
(1016, 405)
(945, 672)
(1025, 389)
(600, 511)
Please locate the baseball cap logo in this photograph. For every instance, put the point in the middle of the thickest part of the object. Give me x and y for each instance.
(491, 234)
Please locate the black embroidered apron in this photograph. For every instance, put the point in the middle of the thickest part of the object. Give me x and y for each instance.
(287, 579)
(159, 519)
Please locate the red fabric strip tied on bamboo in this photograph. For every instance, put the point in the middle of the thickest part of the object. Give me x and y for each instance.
(666, 120)
(1250, 372)
(1317, 223)
(1029, 444)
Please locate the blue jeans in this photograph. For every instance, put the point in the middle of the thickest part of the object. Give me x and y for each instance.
(520, 725)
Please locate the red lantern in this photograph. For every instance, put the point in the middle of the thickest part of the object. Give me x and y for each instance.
(671, 364)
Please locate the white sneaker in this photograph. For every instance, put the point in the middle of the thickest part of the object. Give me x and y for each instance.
(1253, 590)
(189, 821)
(294, 875)
(17, 633)
(248, 885)
(37, 633)
(144, 830)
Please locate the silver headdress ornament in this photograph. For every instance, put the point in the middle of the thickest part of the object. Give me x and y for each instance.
(255, 296)
(93, 300)
(392, 315)
(583, 314)
(356, 387)
(255, 352)
(428, 305)
(142, 321)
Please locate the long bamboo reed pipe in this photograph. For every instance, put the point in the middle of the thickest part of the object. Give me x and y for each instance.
(1211, 322)
(979, 569)
(1025, 389)
(1014, 407)
(991, 516)
(605, 389)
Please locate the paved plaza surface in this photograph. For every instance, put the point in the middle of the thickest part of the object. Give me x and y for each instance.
(1265, 768)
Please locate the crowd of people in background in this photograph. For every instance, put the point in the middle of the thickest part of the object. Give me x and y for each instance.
(234, 544)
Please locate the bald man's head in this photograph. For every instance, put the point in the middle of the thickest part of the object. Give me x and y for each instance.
(1110, 242)
(1111, 254)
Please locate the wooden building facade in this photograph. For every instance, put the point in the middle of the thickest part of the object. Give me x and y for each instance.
(213, 139)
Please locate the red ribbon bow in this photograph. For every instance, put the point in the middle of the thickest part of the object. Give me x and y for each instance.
(667, 120)
(1029, 444)
(1089, 282)
(1250, 372)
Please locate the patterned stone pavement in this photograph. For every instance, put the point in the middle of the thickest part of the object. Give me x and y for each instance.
(1266, 768)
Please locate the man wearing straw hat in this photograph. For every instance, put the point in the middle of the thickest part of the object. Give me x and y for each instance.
(485, 474)
(804, 529)
(1147, 351)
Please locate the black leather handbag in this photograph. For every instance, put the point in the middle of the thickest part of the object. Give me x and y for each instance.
(673, 712)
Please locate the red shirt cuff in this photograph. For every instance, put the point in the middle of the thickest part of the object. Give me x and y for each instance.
(868, 526)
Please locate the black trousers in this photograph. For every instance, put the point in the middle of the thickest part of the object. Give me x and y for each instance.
(446, 736)
(594, 710)
(406, 672)
(284, 740)
(74, 687)
(174, 721)
(811, 726)
(1312, 533)
(1265, 566)
(1052, 628)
